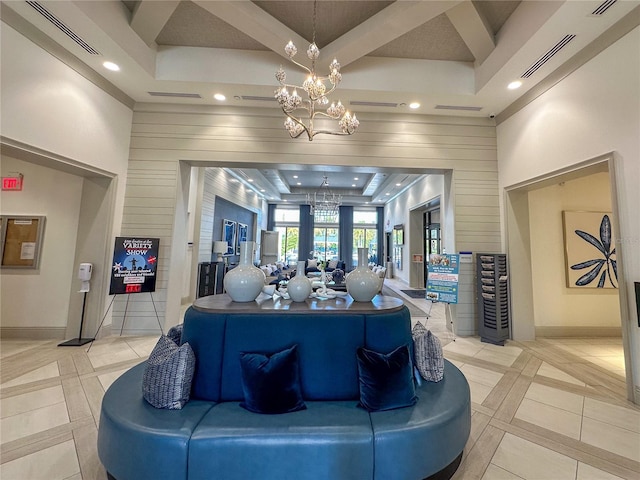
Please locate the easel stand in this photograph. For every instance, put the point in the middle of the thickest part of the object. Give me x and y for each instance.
(124, 319)
(78, 342)
(448, 313)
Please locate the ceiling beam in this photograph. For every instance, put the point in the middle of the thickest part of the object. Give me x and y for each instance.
(474, 30)
(250, 19)
(150, 17)
(394, 21)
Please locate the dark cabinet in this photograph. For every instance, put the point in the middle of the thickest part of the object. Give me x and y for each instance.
(210, 278)
(493, 297)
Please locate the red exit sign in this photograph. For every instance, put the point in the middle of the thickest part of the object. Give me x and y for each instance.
(12, 183)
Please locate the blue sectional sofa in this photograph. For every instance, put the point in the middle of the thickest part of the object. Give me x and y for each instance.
(333, 439)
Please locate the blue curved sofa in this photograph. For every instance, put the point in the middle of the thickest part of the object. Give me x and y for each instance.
(333, 439)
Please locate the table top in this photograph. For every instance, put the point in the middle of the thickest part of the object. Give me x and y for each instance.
(344, 304)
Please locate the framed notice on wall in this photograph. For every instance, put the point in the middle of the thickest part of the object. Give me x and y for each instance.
(22, 238)
(135, 263)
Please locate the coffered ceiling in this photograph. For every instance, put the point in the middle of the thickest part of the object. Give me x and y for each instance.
(452, 57)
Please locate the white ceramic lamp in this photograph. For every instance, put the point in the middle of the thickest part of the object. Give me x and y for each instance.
(220, 248)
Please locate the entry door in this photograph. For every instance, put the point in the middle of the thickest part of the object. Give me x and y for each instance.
(432, 243)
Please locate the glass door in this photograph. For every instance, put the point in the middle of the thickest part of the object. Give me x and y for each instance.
(432, 240)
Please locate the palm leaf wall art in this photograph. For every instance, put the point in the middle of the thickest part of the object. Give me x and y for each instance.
(590, 252)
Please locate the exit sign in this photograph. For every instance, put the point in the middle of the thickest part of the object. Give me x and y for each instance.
(12, 183)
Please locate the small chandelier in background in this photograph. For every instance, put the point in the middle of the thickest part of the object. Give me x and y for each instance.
(324, 203)
(317, 94)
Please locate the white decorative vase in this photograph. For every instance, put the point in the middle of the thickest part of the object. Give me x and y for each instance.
(299, 287)
(244, 282)
(362, 283)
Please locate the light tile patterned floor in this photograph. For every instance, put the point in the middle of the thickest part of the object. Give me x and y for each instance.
(544, 410)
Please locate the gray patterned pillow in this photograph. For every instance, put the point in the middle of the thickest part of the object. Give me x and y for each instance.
(427, 353)
(168, 374)
(175, 333)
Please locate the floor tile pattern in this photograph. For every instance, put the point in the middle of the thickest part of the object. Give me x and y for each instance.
(549, 409)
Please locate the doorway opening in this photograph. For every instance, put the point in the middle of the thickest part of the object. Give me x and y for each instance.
(544, 303)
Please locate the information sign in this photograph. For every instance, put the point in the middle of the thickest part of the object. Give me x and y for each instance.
(442, 278)
(135, 262)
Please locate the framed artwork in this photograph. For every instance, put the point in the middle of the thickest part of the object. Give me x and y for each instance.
(229, 235)
(590, 250)
(398, 234)
(22, 238)
(242, 236)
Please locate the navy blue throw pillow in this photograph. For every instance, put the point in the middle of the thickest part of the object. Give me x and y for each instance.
(386, 380)
(271, 382)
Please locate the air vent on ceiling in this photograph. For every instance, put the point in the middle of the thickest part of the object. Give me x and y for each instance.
(358, 103)
(458, 107)
(604, 6)
(174, 94)
(256, 98)
(547, 56)
(62, 27)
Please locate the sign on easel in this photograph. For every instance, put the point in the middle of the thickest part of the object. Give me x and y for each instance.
(135, 263)
(442, 278)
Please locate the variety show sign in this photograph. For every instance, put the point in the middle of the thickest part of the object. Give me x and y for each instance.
(442, 278)
(135, 262)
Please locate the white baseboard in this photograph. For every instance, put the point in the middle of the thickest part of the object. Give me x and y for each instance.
(33, 333)
(555, 332)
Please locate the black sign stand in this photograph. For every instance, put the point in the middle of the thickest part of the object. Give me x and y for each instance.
(78, 342)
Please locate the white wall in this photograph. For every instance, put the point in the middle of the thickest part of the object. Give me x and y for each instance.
(555, 304)
(593, 111)
(40, 298)
(51, 109)
(397, 212)
(165, 135)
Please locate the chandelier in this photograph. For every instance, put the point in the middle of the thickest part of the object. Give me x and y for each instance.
(294, 106)
(324, 203)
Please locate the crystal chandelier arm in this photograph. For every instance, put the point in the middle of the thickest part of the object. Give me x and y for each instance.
(331, 132)
(307, 69)
(297, 121)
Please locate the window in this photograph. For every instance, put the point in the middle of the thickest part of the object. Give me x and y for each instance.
(287, 222)
(365, 234)
(324, 217)
(325, 244)
(288, 244)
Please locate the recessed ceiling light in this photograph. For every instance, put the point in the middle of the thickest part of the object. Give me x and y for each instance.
(111, 66)
(355, 178)
(295, 176)
(250, 180)
(353, 184)
(286, 200)
(414, 105)
(366, 203)
(398, 184)
(298, 183)
(262, 190)
(387, 193)
(515, 84)
(220, 97)
(234, 180)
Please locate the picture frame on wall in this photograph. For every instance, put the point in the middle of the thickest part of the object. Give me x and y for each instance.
(590, 250)
(241, 236)
(21, 242)
(229, 235)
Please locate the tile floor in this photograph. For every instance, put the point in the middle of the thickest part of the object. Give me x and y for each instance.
(545, 410)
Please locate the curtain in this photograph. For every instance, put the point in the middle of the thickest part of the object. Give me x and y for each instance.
(381, 258)
(271, 217)
(345, 236)
(305, 237)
